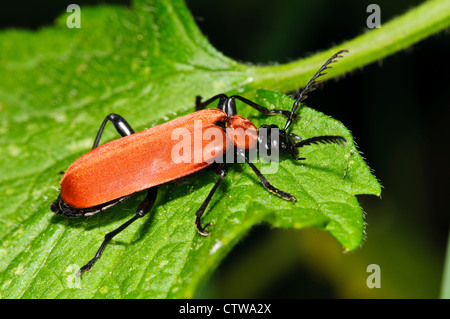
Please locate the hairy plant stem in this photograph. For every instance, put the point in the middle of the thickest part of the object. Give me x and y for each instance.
(402, 32)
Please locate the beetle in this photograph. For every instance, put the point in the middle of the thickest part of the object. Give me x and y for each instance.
(112, 172)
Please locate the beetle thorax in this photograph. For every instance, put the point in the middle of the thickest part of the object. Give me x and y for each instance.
(242, 132)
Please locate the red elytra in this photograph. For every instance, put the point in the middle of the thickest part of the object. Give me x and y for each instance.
(144, 159)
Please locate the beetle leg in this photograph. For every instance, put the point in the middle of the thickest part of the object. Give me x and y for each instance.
(142, 210)
(199, 105)
(268, 186)
(121, 125)
(223, 171)
(261, 108)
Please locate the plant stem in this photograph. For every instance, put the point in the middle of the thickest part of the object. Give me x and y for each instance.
(445, 289)
(415, 25)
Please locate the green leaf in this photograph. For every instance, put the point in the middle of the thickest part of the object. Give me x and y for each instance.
(327, 181)
(147, 63)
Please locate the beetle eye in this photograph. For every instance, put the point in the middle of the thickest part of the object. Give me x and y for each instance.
(269, 140)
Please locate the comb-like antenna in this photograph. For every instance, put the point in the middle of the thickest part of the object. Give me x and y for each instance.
(326, 139)
(311, 86)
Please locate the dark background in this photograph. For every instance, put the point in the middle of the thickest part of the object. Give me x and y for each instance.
(397, 110)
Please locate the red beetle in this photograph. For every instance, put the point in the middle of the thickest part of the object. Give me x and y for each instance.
(112, 172)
